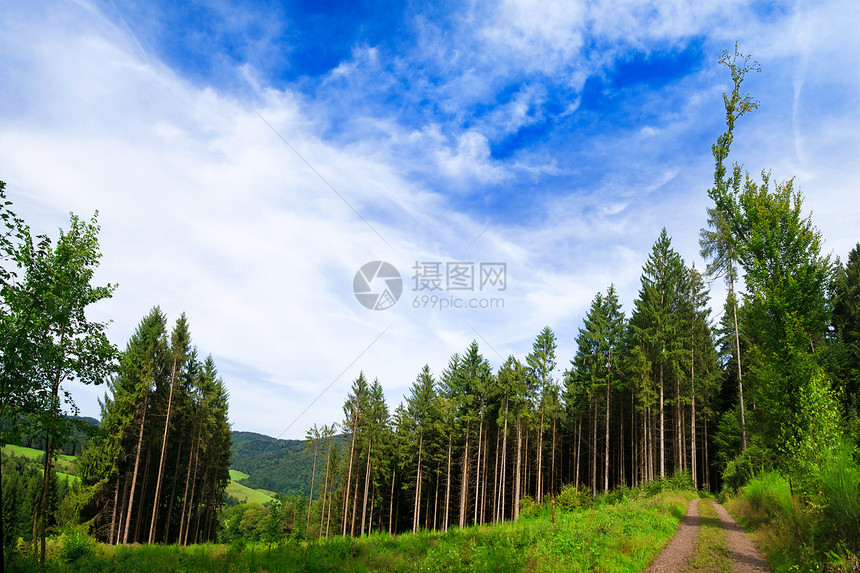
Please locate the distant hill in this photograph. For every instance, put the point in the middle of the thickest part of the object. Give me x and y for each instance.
(281, 466)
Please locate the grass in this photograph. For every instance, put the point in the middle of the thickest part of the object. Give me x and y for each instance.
(712, 548)
(247, 495)
(236, 475)
(64, 463)
(622, 538)
(795, 533)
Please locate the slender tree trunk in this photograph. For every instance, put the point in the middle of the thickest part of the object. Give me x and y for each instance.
(354, 509)
(478, 472)
(504, 464)
(313, 476)
(113, 511)
(539, 485)
(464, 484)
(157, 500)
(436, 500)
(172, 497)
(349, 472)
(606, 437)
(391, 503)
(693, 417)
(740, 374)
(448, 482)
(662, 427)
(192, 499)
(679, 431)
(578, 449)
(141, 507)
(185, 501)
(593, 448)
(121, 525)
(325, 482)
(552, 473)
(136, 467)
(496, 477)
(416, 517)
(519, 472)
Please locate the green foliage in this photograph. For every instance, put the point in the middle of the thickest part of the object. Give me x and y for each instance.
(572, 497)
(75, 545)
(617, 538)
(840, 488)
(749, 463)
(802, 533)
(529, 507)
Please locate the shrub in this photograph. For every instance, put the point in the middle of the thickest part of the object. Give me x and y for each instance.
(840, 485)
(571, 497)
(74, 546)
(528, 507)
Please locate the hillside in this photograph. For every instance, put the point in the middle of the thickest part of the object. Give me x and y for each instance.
(281, 466)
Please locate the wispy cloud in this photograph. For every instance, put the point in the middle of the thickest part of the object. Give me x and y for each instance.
(568, 134)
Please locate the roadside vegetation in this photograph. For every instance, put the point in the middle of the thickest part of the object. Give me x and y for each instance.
(804, 530)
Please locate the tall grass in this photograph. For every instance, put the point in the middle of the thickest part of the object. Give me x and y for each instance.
(806, 532)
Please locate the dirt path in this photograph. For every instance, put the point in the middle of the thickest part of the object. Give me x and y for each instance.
(743, 554)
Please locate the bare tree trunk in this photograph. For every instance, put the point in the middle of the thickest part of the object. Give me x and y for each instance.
(519, 472)
(662, 427)
(436, 500)
(578, 448)
(325, 482)
(464, 484)
(416, 517)
(141, 507)
(552, 473)
(313, 476)
(391, 503)
(478, 471)
(111, 534)
(191, 500)
(157, 500)
(606, 445)
(448, 483)
(740, 375)
(349, 472)
(539, 485)
(172, 492)
(136, 466)
(504, 464)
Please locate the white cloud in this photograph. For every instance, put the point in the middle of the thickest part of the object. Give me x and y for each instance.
(205, 209)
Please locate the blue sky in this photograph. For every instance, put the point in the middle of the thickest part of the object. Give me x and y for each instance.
(247, 158)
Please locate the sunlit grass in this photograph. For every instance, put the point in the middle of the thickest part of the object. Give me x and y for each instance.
(622, 537)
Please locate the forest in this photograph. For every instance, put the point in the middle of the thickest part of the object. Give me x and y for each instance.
(667, 397)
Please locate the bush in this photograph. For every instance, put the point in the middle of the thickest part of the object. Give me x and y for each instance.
(572, 497)
(528, 507)
(681, 480)
(740, 471)
(840, 485)
(74, 545)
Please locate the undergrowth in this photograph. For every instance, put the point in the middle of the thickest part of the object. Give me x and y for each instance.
(614, 532)
(811, 532)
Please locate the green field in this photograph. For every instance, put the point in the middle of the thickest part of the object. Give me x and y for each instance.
(64, 463)
(236, 475)
(245, 494)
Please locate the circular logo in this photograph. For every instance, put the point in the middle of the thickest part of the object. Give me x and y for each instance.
(377, 285)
